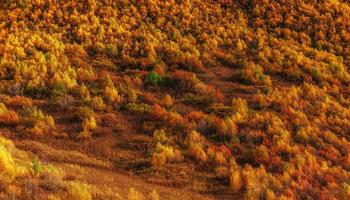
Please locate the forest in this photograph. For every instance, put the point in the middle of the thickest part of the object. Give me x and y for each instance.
(176, 99)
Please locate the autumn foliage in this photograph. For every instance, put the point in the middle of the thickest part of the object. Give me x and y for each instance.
(252, 96)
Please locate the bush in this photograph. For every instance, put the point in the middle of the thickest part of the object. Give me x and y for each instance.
(36, 166)
(7, 164)
(195, 143)
(104, 63)
(78, 191)
(52, 178)
(185, 80)
(128, 90)
(154, 195)
(112, 95)
(160, 136)
(154, 79)
(85, 74)
(134, 195)
(44, 126)
(240, 106)
(164, 153)
(251, 182)
(270, 195)
(89, 124)
(98, 104)
(8, 117)
(193, 99)
(227, 127)
(138, 108)
(112, 51)
(196, 150)
(18, 102)
(84, 93)
(252, 74)
(167, 101)
(65, 101)
(166, 150)
(158, 160)
(58, 89)
(235, 177)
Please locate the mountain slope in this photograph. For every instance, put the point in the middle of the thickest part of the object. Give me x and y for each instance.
(228, 99)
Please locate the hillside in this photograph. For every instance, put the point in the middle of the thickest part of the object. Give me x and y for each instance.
(178, 99)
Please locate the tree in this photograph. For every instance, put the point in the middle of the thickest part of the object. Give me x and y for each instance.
(154, 79)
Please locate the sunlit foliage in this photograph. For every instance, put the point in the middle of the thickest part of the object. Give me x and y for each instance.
(255, 93)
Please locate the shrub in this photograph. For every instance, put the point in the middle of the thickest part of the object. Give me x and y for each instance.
(240, 106)
(98, 104)
(154, 79)
(220, 158)
(53, 197)
(158, 160)
(112, 51)
(96, 48)
(15, 89)
(167, 101)
(58, 89)
(227, 127)
(36, 166)
(43, 126)
(195, 143)
(195, 115)
(18, 102)
(251, 182)
(106, 193)
(160, 136)
(159, 69)
(89, 124)
(221, 172)
(194, 99)
(33, 113)
(84, 93)
(7, 164)
(210, 93)
(78, 191)
(163, 152)
(194, 137)
(134, 195)
(85, 74)
(167, 150)
(235, 180)
(131, 95)
(174, 119)
(315, 74)
(128, 90)
(235, 177)
(154, 195)
(252, 74)
(65, 101)
(185, 80)
(138, 108)
(270, 195)
(104, 63)
(8, 117)
(112, 95)
(52, 178)
(197, 151)
(190, 63)
(158, 112)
